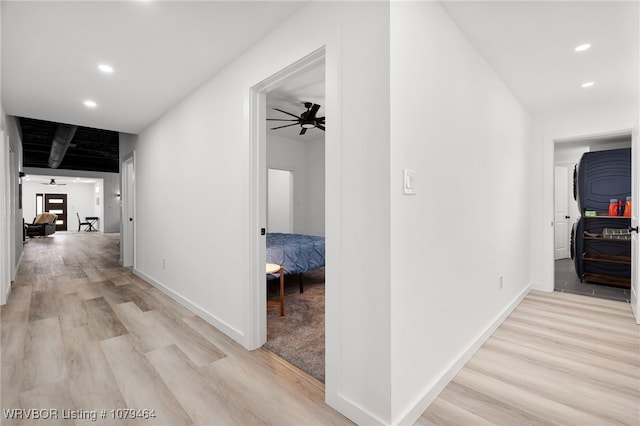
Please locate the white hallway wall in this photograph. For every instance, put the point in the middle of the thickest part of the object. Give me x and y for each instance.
(306, 161)
(366, 378)
(455, 123)
(207, 136)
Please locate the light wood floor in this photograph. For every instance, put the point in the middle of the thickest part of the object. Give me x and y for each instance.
(558, 359)
(81, 333)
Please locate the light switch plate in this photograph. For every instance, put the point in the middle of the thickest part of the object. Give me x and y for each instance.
(409, 182)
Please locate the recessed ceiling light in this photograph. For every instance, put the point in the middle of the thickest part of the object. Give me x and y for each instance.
(588, 84)
(582, 47)
(90, 104)
(105, 68)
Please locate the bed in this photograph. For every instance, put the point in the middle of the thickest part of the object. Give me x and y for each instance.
(296, 253)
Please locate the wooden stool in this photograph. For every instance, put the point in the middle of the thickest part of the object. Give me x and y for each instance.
(272, 268)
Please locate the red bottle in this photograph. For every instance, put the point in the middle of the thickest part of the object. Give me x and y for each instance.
(627, 207)
(613, 207)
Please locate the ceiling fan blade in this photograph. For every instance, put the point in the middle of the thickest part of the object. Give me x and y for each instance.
(280, 119)
(288, 113)
(313, 112)
(286, 125)
(303, 131)
(320, 126)
(320, 118)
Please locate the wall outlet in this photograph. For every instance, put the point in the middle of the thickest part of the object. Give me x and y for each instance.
(501, 282)
(164, 266)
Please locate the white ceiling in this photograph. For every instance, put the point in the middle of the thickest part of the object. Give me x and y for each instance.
(160, 50)
(530, 45)
(163, 50)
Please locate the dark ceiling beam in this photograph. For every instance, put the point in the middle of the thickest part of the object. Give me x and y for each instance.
(91, 149)
(61, 141)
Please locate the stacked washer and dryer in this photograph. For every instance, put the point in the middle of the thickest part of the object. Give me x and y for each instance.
(600, 238)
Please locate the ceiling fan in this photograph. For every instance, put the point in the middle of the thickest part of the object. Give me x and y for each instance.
(53, 183)
(306, 120)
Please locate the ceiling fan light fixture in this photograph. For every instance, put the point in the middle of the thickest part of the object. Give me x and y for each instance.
(307, 120)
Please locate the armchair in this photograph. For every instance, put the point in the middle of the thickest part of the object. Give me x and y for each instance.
(44, 224)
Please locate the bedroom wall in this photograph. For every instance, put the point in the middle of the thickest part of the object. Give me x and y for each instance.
(468, 139)
(206, 140)
(306, 161)
(290, 154)
(109, 209)
(315, 187)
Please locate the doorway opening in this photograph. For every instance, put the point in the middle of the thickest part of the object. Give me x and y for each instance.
(280, 200)
(127, 205)
(584, 262)
(73, 199)
(289, 184)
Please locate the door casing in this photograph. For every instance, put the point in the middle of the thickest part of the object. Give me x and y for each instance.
(127, 205)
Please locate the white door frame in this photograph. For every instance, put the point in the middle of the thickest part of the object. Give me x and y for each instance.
(5, 226)
(548, 210)
(128, 211)
(635, 219)
(563, 198)
(257, 321)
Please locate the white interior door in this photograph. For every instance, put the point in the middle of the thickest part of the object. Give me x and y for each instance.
(280, 201)
(5, 281)
(128, 203)
(635, 214)
(561, 220)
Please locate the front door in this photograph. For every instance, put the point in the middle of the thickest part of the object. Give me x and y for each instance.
(57, 204)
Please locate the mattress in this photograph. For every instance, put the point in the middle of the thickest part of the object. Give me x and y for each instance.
(296, 253)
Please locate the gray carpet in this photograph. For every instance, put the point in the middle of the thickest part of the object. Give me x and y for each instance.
(298, 337)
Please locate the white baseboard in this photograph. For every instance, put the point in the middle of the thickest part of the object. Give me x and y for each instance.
(5, 297)
(353, 411)
(541, 287)
(422, 402)
(235, 334)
